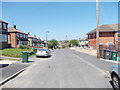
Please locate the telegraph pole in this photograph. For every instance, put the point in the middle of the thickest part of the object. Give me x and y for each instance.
(66, 37)
(47, 39)
(97, 28)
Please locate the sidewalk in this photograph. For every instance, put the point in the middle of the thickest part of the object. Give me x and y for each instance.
(12, 69)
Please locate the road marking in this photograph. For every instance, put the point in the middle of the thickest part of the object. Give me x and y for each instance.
(110, 61)
(105, 73)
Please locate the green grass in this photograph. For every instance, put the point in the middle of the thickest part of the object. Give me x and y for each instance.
(14, 52)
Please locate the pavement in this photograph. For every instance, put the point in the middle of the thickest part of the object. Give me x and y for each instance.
(65, 69)
(11, 68)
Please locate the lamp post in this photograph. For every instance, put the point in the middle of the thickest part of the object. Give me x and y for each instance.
(66, 38)
(47, 38)
(97, 28)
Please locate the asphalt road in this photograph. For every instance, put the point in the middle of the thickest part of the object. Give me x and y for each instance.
(65, 69)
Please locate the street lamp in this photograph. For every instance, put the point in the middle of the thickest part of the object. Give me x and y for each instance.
(66, 38)
(47, 38)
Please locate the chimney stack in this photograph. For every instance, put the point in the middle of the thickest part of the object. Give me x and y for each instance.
(28, 33)
(34, 35)
(14, 26)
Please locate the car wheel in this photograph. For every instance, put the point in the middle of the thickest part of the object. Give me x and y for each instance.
(37, 56)
(116, 82)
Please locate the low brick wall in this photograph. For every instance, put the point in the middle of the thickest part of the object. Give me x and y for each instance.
(87, 51)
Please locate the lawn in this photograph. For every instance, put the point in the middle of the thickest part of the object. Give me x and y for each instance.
(14, 52)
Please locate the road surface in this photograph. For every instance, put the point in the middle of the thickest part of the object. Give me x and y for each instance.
(65, 69)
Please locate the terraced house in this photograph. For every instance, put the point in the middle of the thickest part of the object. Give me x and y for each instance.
(108, 35)
(17, 37)
(3, 34)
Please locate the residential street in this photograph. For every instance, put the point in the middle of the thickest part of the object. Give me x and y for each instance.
(65, 69)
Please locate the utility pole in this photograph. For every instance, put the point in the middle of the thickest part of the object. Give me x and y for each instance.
(97, 28)
(66, 38)
(47, 38)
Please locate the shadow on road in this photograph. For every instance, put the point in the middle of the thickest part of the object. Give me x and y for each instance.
(3, 65)
(43, 56)
(111, 83)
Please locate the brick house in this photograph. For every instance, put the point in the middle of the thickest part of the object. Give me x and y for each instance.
(33, 41)
(40, 42)
(107, 36)
(83, 42)
(3, 34)
(17, 37)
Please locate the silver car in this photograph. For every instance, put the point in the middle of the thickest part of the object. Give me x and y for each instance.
(115, 76)
(43, 52)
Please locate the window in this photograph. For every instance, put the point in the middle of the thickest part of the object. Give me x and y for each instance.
(3, 38)
(4, 26)
(21, 35)
(18, 35)
(26, 36)
(0, 24)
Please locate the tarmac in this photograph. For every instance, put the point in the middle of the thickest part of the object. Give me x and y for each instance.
(11, 68)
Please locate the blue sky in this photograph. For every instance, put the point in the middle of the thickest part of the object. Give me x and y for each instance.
(73, 19)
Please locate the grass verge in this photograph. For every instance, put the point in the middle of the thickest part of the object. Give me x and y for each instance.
(14, 52)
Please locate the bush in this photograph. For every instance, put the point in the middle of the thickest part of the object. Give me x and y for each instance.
(63, 46)
(23, 47)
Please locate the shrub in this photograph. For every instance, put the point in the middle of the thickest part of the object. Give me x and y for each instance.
(63, 46)
(23, 47)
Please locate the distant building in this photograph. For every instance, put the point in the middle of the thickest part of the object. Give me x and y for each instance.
(3, 34)
(17, 37)
(83, 43)
(108, 35)
(33, 41)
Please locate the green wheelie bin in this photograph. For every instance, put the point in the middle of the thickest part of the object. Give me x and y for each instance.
(25, 57)
(114, 55)
(118, 59)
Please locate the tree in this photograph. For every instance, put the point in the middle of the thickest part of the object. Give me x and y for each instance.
(52, 43)
(66, 41)
(74, 42)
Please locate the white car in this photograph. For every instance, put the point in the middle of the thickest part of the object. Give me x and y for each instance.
(43, 52)
(115, 76)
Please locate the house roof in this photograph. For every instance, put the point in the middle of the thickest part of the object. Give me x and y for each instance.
(83, 39)
(3, 21)
(12, 29)
(106, 28)
(30, 36)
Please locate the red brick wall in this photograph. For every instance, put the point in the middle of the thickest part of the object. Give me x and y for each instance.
(12, 40)
(104, 38)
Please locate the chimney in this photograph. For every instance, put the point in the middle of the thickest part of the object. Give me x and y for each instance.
(14, 26)
(28, 33)
(34, 35)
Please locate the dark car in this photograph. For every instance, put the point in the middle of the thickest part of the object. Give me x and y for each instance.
(115, 76)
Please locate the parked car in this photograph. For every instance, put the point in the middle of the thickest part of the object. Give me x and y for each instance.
(43, 52)
(115, 76)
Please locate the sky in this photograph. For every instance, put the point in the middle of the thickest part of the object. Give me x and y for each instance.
(73, 19)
